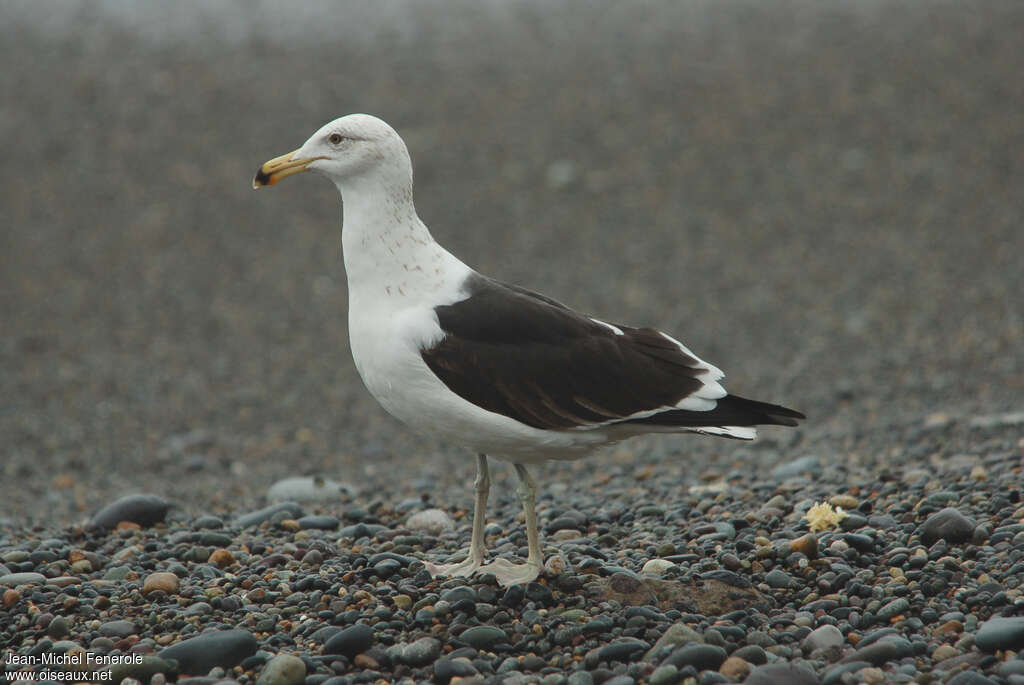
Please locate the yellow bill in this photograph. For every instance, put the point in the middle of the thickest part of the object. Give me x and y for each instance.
(281, 167)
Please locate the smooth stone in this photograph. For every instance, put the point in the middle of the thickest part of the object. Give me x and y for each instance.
(117, 573)
(1011, 667)
(421, 652)
(457, 594)
(208, 522)
(797, 467)
(734, 668)
(946, 524)
(834, 675)
(196, 609)
(622, 650)
(823, 637)
(224, 648)
(1003, 632)
(145, 510)
(161, 580)
(350, 641)
(539, 593)
(361, 530)
(666, 674)
(255, 518)
(483, 637)
(23, 578)
(319, 522)
(700, 657)
(779, 579)
(58, 628)
(580, 678)
(656, 567)
(781, 674)
(307, 489)
(886, 649)
(620, 680)
(970, 678)
(430, 521)
(283, 669)
(677, 635)
(893, 609)
(120, 628)
(752, 654)
(140, 672)
(445, 669)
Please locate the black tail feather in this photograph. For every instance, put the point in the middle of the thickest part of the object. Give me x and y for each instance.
(732, 410)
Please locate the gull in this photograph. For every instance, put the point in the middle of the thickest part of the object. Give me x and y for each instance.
(500, 369)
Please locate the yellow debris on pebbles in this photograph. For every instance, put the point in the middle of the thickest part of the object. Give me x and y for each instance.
(823, 516)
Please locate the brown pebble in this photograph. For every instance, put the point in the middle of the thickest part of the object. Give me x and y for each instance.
(128, 525)
(221, 558)
(291, 525)
(162, 580)
(806, 545)
(11, 597)
(949, 627)
(735, 668)
(364, 661)
(845, 501)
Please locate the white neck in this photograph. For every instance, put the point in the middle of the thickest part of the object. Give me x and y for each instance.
(388, 251)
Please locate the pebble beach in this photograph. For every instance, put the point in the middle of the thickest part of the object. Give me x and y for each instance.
(824, 201)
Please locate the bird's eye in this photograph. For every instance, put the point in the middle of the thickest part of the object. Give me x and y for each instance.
(335, 138)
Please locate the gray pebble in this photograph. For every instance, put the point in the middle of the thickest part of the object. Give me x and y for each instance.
(483, 637)
(255, 518)
(421, 652)
(23, 578)
(947, 524)
(700, 657)
(1001, 633)
(141, 672)
(892, 609)
(797, 467)
(144, 510)
(580, 678)
(823, 637)
(777, 578)
(445, 669)
(319, 522)
(666, 674)
(283, 669)
(225, 648)
(350, 641)
(886, 649)
(781, 674)
(621, 650)
(120, 628)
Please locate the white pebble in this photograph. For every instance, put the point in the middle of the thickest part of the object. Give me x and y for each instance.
(655, 567)
(432, 521)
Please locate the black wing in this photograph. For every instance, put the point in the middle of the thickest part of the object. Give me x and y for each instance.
(528, 357)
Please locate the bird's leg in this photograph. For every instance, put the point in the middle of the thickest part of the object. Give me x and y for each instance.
(482, 486)
(506, 572)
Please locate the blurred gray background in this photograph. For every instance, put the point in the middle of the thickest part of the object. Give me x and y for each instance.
(826, 199)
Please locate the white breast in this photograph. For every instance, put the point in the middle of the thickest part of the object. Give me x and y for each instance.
(387, 339)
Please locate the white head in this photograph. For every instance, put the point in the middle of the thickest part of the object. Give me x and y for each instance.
(351, 150)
